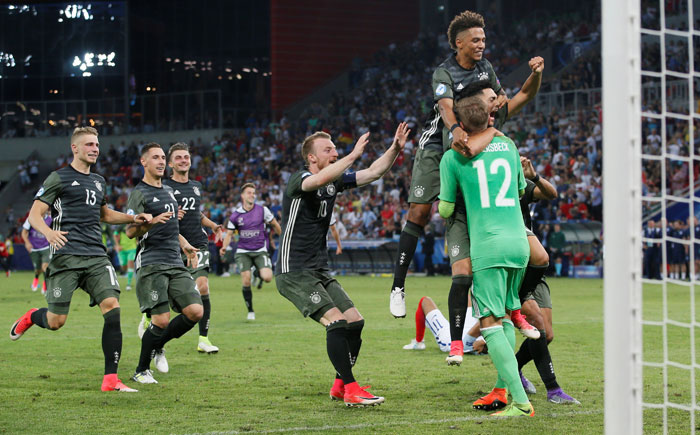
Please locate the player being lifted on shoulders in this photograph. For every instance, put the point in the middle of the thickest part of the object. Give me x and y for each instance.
(302, 273)
(76, 198)
(188, 194)
(162, 280)
(465, 66)
(250, 220)
(38, 249)
(491, 184)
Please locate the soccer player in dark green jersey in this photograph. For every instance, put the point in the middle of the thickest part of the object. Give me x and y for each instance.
(491, 184)
(162, 280)
(76, 198)
(188, 194)
(302, 273)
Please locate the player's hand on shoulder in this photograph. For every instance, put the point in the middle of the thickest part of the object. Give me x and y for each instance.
(401, 135)
(143, 218)
(360, 146)
(162, 218)
(57, 239)
(536, 64)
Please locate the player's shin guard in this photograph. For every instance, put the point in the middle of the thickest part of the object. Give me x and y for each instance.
(339, 350)
(149, 343)
(204, 321)
(543, 360)
(176, 329)
(533, 275)
(501, 353)
(39, 318)
(407, 247)
(457, 302)
(354, 335)
(129, 275)
(112, 340)
(420, 321)
(248, 298)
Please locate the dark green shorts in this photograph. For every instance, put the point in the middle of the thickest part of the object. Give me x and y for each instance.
(457, 237)
(425, 179)
(246, 260)
(313, 292)
(40, 257)
(202, 268)
(495, 290)
(158, 285)
(541, 295)
(95, 275)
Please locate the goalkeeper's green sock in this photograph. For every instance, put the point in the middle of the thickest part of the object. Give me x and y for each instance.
(503, 358)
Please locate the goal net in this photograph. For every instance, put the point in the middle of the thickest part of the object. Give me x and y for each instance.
(650, 159)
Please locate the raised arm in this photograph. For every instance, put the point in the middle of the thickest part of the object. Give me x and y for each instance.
(380, 166)
(332, 172)
(543, 188)
(529, 89)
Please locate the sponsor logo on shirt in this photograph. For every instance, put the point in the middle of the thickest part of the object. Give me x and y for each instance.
(75, 183)
(247, 234)
(460, 87)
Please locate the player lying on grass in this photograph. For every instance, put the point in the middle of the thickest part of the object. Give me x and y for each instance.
(428, 314)
(491, 184)
(302, 272)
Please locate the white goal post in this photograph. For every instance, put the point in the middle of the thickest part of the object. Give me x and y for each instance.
(621, 64)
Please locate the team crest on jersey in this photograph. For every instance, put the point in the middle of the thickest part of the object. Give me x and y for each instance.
(57, 292)
(418, 191)
(196, 191)
(483, 75)
(454, 251)
(330, 189)
(240, 220)
(315, 297)
(441, 89)
(154, 296)
(98, 185)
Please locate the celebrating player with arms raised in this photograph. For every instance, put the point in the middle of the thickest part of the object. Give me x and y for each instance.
(302, 267)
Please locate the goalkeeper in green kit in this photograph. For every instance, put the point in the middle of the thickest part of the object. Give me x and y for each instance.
(492, 183)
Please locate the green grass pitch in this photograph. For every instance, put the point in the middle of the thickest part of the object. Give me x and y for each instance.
(272, 374)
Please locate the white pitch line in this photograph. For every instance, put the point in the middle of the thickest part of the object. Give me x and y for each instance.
(393, 423)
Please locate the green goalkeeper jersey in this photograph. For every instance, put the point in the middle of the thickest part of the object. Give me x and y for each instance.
(491, 182)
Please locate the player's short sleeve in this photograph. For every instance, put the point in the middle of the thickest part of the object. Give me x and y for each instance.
(135, 203)
(26, 226)
(267, 215)
(230, 224)
(442, 84)
(346, 181)
(294, 184)
(50, 190)
(448, 179)
(495, 83)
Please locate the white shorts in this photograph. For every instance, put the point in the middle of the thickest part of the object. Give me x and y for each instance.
(440, 327)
